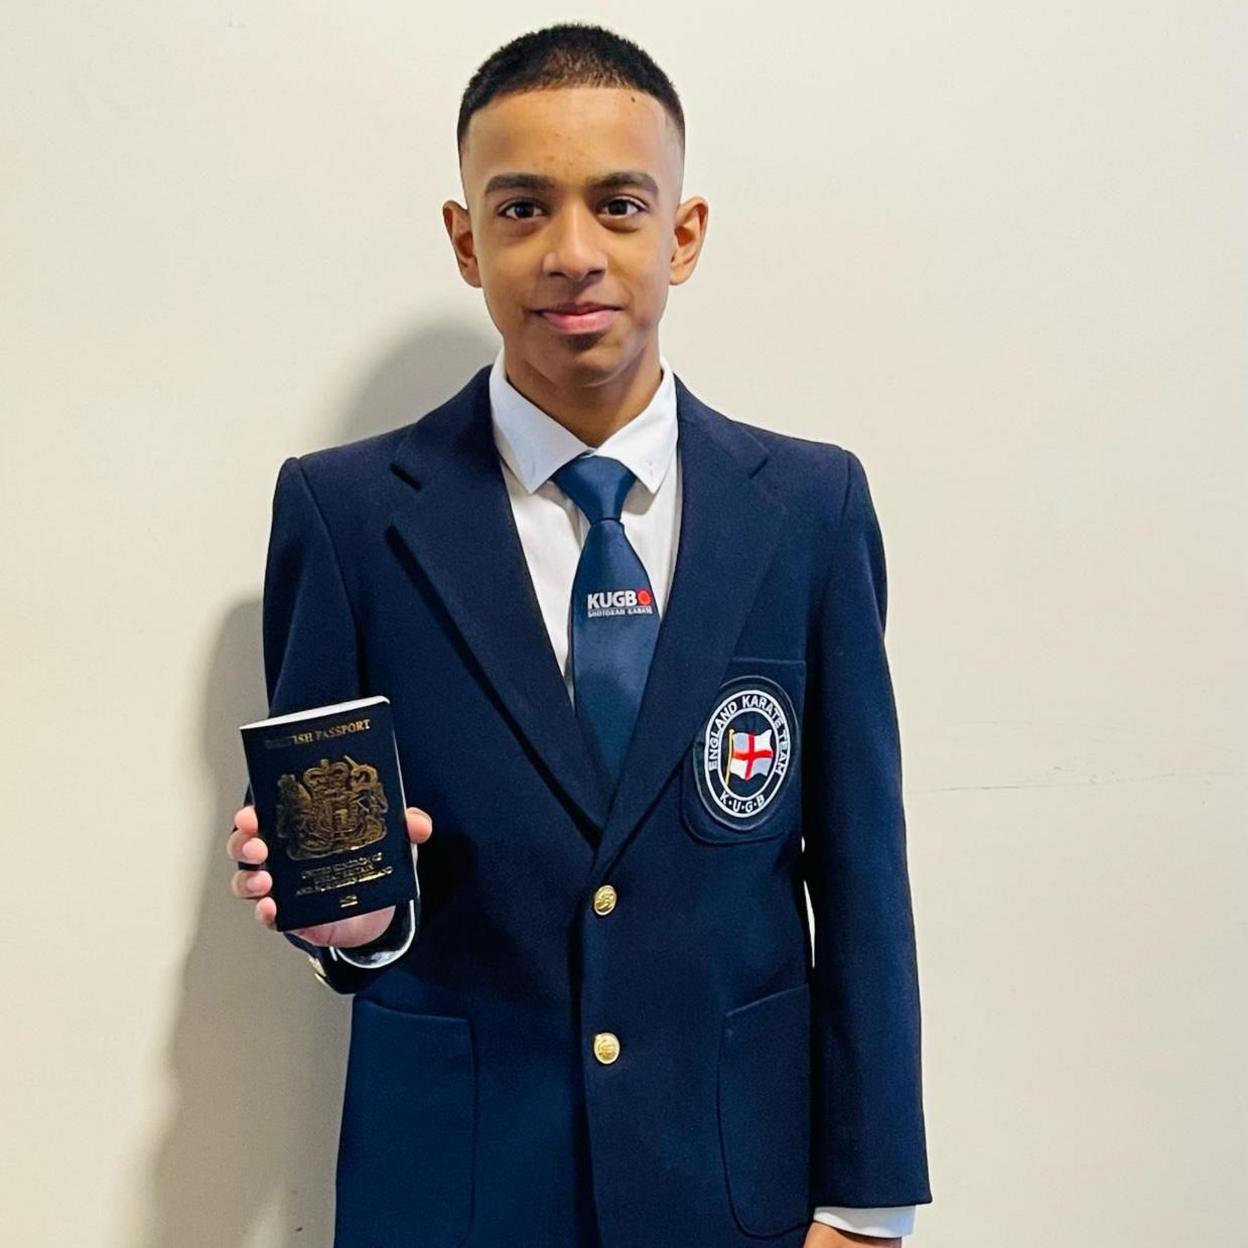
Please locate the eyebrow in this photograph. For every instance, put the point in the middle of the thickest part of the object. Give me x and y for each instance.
(540, 182)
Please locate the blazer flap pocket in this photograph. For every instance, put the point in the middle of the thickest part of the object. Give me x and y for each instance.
(764, 1110)
(406, 1148)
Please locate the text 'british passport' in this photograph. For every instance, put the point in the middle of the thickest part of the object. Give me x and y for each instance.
(329, 801)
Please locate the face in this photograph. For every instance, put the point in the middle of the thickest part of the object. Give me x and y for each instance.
(572, 199)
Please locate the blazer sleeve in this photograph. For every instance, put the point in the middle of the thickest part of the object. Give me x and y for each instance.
(311, 645)
(868, 1137)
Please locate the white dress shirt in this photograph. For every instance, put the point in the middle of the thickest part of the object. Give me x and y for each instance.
(552, 528)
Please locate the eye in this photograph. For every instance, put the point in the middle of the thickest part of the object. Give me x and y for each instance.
(621, 200)
(517, 203)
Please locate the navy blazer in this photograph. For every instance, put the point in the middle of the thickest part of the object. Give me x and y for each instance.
(748, 1083)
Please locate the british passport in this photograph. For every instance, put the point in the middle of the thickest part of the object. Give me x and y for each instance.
(329, 801)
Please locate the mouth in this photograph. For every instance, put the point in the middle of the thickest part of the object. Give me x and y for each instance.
(579, 318)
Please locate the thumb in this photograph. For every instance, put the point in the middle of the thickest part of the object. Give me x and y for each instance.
(419, 825)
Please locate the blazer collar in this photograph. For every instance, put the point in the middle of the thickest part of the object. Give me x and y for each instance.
(452, 516)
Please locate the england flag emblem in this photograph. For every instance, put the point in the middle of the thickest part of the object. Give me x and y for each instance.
(751, 754)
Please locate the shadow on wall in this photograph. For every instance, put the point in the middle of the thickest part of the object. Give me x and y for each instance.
(257, 1054)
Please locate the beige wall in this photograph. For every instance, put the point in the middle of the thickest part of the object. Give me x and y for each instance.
(996, 249)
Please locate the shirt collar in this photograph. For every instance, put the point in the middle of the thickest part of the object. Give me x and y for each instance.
(535, 445)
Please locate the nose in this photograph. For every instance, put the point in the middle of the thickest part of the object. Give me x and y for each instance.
(574, 249)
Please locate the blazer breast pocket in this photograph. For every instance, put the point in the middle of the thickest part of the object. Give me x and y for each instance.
(741, 778)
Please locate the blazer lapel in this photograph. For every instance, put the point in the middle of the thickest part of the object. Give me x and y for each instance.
(453, 516)
(730, 526)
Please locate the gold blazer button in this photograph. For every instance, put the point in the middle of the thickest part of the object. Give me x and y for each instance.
(604, 900)
(606, 1047)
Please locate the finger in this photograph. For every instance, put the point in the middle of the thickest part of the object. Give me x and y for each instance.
(244, 847)
(250, 883)
(266, 912)
(419, 825)
(245, 825)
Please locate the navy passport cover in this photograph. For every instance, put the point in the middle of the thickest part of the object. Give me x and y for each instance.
(330, 804)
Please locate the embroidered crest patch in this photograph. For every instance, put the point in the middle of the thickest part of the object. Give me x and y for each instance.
(743, 753)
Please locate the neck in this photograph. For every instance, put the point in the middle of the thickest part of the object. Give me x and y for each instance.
(594, 409)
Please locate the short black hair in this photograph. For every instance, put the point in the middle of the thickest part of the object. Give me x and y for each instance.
(568, 54)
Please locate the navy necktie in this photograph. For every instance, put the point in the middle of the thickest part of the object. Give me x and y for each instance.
(614, 621)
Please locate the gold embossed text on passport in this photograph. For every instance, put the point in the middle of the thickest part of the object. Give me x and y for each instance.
(310, 736)
(343, 874)
(335, 807)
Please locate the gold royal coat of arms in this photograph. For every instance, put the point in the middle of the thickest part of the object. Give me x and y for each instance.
(338, 807)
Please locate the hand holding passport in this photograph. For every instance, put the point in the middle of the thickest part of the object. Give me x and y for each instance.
(244, 844)
(330, 835)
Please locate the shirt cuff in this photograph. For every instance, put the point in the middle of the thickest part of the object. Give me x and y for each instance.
(383, 950)
(890, 1222)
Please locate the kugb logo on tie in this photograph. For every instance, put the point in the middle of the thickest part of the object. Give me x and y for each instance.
(619, 602)
(744, 750)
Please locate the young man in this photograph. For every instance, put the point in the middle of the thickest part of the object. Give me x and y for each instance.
(604, 1027)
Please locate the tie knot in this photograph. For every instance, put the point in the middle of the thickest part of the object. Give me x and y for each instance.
(597, 484)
